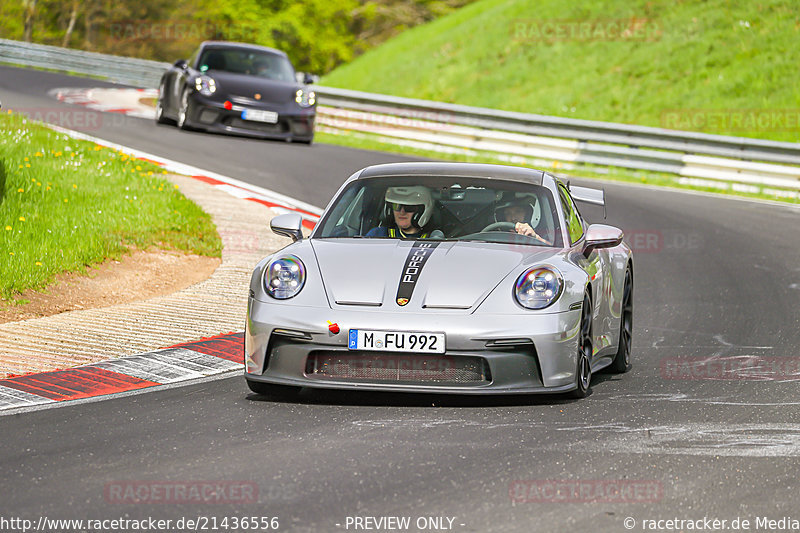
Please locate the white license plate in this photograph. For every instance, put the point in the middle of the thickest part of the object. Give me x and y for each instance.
(396, 341)
(259, 115)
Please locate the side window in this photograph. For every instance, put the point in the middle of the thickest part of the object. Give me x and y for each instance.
(344, 220)
(573, 219)
(193, 60)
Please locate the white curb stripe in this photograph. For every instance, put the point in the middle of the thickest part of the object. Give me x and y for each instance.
(10, 398)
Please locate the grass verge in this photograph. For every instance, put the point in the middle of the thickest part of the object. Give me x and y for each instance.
(66, 204)
(715, 66)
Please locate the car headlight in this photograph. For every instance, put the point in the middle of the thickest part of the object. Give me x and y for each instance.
(538, 287)
(305, 97)
(205, 85)
(284, 277)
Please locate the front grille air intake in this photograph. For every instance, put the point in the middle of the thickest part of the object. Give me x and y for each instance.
(398, 367)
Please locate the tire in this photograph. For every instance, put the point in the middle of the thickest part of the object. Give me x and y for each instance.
(183, 110)
(276, 391)
(308, 141)
(583, 370)
(160, 118)
(622, 361)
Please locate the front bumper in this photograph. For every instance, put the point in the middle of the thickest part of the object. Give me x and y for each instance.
(210, 115)
(486, 354)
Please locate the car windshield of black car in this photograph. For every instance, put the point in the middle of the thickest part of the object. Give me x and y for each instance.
(248, 62)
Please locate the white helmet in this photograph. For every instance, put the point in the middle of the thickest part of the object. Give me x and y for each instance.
(413, 195)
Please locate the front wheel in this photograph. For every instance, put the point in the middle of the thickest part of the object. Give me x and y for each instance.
(160, 118)
(622, 361)
(583, 370)
(183, 110)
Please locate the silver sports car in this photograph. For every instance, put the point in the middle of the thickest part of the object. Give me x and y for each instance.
(447, 278)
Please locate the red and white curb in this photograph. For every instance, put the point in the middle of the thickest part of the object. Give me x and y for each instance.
(111, 100)
(120, 101)
(182, 362)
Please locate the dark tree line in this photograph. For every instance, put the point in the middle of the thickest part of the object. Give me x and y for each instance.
(318, 35)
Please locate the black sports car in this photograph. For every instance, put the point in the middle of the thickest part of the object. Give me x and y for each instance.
(238, 88)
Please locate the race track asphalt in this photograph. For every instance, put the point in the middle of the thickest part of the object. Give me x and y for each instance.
(715, 278)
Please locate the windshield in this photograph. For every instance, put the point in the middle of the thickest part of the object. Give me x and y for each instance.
(249, 62)
(460, 209)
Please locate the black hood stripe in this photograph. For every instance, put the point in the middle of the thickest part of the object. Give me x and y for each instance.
(417, 257)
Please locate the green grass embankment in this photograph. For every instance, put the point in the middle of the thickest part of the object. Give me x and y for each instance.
(66, 204)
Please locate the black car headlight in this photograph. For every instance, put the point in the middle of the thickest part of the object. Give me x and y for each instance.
(205, 85)
(305, 97)
(538, 287)
(284, 277)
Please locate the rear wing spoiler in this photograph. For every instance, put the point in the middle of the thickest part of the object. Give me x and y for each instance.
(589, 196)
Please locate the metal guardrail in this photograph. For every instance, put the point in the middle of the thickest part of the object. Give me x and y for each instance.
(544, 139)
(127, 70)
(582, 130)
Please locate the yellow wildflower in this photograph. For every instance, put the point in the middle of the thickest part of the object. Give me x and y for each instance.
(26, 159)
(20, 190)
(65, 200)
(38, 263)
(9, 228)
(27, 165)
(149, 172)
(38, 154)
(74, 186)
(22, 219)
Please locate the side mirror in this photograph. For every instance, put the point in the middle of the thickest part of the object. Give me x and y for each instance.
(308, 78)
(601, 236)
(181, 64)
(288, 225)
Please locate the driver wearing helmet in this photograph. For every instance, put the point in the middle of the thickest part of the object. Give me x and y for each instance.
(262, 68)
(408, 209)
(518, 211)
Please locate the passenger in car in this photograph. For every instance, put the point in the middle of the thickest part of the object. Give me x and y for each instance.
(406, 212)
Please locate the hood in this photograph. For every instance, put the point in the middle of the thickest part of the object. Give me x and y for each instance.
(455, 276)
(246, 86)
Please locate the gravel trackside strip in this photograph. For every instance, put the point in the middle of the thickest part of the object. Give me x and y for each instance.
(216, 305)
